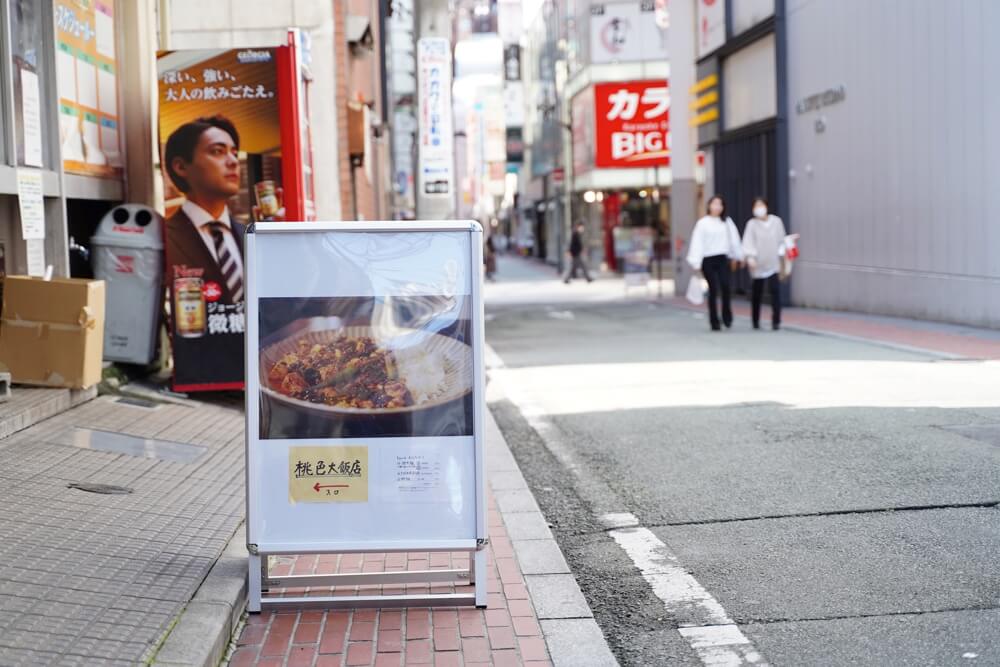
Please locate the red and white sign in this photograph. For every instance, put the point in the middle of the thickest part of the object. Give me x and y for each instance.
(632, 120)
(711, 25)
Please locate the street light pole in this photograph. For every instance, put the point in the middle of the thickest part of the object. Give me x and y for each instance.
(659, 232)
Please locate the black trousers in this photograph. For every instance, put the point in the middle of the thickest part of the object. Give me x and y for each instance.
(774, 287)
(717, 273)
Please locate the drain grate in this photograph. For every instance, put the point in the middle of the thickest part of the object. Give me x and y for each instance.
(104, 489)
(138, 402)
(120, 443)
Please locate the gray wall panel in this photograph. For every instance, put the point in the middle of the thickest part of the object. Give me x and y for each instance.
(897, 200)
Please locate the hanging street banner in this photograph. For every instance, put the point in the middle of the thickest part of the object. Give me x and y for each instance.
(436, 167)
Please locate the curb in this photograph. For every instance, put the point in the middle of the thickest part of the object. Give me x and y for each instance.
(571, 633)
(813, 331)
(202, 631)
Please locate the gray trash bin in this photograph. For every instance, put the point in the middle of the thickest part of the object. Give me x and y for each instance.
(127, 253)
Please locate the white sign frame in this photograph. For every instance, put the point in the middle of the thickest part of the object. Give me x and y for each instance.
(258, 544)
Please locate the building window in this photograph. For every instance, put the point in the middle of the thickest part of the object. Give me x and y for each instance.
(30, 79)
(748, 85)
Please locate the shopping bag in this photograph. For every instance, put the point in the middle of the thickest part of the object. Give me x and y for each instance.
(789, 251)
(696, 291)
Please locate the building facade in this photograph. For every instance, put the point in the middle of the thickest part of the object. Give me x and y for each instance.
(617, 89)
(739, 104)
(893, 168)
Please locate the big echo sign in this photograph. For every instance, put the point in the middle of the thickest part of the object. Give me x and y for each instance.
(632, 120)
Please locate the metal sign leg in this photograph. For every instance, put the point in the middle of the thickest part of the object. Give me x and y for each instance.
(480, 576)
(254, 592)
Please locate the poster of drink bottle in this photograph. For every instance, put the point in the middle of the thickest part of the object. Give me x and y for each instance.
(220, 149)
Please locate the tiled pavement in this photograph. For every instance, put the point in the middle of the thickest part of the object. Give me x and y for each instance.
(88, 578)
(506, 633)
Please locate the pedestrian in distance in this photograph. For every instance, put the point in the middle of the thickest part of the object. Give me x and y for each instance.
(576, 255)
(764, 249)
(715, 252)
(490, 259)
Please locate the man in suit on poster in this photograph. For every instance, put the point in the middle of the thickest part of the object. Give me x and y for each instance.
(204, 242)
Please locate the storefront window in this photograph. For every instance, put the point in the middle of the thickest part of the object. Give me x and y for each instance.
(30, 78)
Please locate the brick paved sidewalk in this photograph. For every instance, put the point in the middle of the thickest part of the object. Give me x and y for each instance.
(506, 633)
(953, 340)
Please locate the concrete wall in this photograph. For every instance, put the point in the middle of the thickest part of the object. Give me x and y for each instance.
(895, 188)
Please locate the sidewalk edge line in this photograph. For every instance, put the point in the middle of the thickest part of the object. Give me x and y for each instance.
(218, 605)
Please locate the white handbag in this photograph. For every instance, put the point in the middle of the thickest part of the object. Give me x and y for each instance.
(696, 290)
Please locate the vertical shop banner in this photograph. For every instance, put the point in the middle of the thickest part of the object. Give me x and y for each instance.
(87, 83)
(583, 131)
(436, 140)
(364, 386)
(220, 147)
(711, 25)
(632, 124)
(627, 31)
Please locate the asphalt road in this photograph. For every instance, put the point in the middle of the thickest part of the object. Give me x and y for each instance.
(838, 500)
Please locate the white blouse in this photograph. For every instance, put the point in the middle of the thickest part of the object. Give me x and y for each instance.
(764, 242)
(712, 236)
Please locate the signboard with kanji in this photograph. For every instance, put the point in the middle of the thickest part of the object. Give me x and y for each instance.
(364, 386)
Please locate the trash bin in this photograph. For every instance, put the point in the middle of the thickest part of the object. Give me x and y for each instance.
(127, 253)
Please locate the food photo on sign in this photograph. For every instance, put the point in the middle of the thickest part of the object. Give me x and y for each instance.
(221, 155)
(347, 367)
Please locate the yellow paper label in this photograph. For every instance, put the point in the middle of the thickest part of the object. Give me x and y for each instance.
(328, 474)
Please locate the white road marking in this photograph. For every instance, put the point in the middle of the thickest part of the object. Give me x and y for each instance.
(702, 620)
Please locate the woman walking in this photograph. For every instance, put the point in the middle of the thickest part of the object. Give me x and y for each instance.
(715, 251)
(490, 258)
(764, 248)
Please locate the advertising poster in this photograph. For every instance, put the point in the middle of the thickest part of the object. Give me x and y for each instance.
(87, 81)
(220, 148)
(363, 394)
(632, 124)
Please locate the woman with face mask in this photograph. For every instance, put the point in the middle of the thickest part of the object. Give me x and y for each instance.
(715, 251)
(764, 247)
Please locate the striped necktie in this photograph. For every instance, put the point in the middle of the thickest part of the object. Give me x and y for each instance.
(227, 262)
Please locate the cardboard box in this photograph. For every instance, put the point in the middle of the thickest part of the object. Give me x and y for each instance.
(52, 332)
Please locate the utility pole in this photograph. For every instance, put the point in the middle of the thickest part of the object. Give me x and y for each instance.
(683, 188)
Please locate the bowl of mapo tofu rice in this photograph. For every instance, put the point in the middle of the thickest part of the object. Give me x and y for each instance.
(358, 370)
